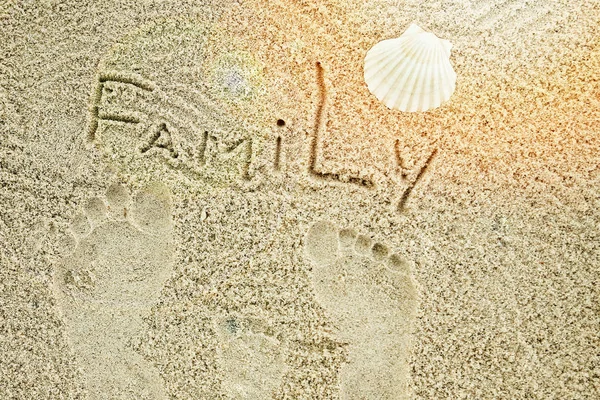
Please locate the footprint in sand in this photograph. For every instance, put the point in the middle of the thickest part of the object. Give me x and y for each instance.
(108, 285)
(371, 298)
(251, 362)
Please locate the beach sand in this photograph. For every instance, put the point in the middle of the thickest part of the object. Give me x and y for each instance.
(202, 200)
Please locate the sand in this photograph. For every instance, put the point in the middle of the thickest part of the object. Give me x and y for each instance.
(202, 200)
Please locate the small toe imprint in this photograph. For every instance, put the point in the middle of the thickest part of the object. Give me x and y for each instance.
(397, 263)
(347, 238)
(119, 200)
(379, 251)
(363, 245)
(96, 211)
(80, 226)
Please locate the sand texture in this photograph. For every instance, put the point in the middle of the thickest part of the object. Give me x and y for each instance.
(203, 200)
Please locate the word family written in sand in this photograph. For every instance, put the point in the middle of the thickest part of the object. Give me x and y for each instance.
(191, 137)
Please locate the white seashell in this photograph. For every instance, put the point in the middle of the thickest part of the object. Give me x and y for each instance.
(412, 72)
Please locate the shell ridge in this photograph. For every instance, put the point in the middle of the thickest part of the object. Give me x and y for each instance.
(374, 70)
(411, 82)
(399, 73)
(420, 86)
(373, 59)
(397, 66)
(412, 29)
(412, 72)
(385, 72)
(437, 91)
(427, 96)
(450, 78)
(403, 71)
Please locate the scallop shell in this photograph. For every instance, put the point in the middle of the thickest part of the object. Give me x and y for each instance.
(412, 72)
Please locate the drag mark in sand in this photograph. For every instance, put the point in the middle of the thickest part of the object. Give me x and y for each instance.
(513, 15)
(278, 147)
(247, 150)
(162, 139)
(277, 162)
(314, 140)
(163, 136)
(167, 131)
(399, 162)
(244, 144)
(411, 186)
(120, 77)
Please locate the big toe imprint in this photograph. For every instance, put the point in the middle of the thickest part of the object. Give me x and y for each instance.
(110, 282)
(369, 294)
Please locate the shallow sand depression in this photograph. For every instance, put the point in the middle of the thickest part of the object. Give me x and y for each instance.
(203, 200)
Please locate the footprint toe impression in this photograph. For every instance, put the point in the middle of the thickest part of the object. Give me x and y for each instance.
(371, 299)
(251, 361)
(322, 245)
(119, 200)
(152, 209)
(109, 284)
